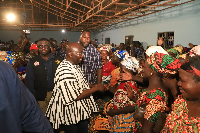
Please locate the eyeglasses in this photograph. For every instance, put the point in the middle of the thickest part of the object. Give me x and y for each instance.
(43, 46)
(79, 54)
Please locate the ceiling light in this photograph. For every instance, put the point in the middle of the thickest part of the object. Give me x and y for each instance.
(10, 17)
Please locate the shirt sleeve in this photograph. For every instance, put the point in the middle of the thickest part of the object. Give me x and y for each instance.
(29, 79)
(98, 62)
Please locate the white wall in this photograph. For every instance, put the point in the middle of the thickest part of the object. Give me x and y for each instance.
(184, 20)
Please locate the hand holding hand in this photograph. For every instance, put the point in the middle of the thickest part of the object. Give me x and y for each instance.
(100, 87)
(111, 112)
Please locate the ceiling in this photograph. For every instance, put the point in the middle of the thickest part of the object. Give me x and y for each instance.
(76, 15)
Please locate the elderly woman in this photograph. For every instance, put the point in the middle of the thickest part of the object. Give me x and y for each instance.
(185, 114)
(121, 108)
(173, 52)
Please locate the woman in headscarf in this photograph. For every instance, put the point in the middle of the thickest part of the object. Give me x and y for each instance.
(153, 100)
(121, 108)
(117, 57)
(185, 114)
(173, 52)
(108, 67)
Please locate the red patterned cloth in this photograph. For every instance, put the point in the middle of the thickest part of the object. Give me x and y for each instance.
(178, 120)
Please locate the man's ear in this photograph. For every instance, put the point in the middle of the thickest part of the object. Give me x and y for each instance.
(70, 54)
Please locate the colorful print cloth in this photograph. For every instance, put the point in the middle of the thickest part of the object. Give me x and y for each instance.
(178, 120)
(123, 122)
(156, 101)
(173, 50)
(163, 63)
(121, 98)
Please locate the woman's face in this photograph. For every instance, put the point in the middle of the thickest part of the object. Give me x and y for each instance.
(115, 59)
(147, 70)
(172, 54)
(187, 85)
(104, 54)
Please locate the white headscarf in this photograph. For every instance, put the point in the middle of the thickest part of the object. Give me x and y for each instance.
(130, 63)
(154, 49)
(195, 51)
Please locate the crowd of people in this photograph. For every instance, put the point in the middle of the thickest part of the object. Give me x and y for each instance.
(86, 87)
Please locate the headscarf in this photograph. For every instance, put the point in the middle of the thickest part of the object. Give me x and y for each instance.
(195, 51)
(192, 66)
(174, 51)
(104, 48)
(121, 54)
(179, 49)
(163, 63)
(154, 49)
(10, 59)
(130, 63)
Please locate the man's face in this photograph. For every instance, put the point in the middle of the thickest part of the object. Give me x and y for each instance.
(43, 47)
(77, 55)
(85, 38)
(33, 52)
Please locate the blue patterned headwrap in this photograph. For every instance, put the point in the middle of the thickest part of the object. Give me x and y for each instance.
(121, 54)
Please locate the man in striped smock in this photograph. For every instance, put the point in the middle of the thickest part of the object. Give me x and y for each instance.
(72, 103)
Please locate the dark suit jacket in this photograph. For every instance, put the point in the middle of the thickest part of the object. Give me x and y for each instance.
(36, 76)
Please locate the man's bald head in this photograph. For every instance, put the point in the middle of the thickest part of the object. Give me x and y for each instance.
(74, 53)
(73, 46)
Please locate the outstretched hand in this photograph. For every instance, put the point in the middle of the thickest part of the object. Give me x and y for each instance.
(101, 87)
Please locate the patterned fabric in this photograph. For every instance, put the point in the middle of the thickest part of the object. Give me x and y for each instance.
(104, 48)
(121, 54)
(91, 62)
(120, 99)
(154, 49)
(173, 50)
(178, 120)
(122, 122)
(183, 56)
(195, 51)
(130, 63)
(156, 101)
(10, 60)
(69, 84)
(62, 53)
(179, 49)
(163, 63)
(107, 69)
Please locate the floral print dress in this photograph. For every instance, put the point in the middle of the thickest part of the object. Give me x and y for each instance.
(178, 120)
(156, 101)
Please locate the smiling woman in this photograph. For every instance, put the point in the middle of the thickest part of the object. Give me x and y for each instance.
(185, 114)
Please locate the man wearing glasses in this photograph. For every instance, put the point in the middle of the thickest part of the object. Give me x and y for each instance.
(72, 102)
(40, 73)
